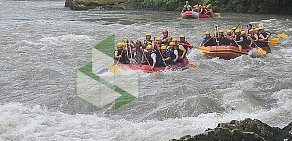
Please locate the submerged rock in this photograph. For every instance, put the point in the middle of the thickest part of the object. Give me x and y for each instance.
(244, 130)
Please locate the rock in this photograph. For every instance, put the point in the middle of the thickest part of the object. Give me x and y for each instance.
(244, 130)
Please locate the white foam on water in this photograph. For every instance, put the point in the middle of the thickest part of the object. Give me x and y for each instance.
(64, 39)
(19, 122)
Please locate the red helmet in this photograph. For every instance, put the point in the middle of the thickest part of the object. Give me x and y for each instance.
(165, 31)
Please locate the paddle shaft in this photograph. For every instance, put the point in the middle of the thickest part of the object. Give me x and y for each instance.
(145, 57)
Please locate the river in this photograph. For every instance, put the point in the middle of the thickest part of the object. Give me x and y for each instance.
(43, 44)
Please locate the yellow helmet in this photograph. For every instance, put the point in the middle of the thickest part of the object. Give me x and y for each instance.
(207, 33)
(237, 31)
(148, 34)
(243, 32)
(174, 40)
(149, 47)
(234, 28)
(172, 43)
(158, 39)
(251, 30)
(229, 31)
(182, 36)
(261, 28)
(119, 44)
(123, 44)
(189, 6)
(220, 31)
(163, 48)
(256, 29)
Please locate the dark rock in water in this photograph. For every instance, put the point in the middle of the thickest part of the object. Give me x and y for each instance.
(244, 130)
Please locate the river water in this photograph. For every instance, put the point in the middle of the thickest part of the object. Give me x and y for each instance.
(43, 44)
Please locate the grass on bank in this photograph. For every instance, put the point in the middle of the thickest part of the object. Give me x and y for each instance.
(99, 2)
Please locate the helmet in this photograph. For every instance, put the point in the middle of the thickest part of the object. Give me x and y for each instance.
(174, 40)
(243, 32)
(251, 30)
(189, 6)
(158, 39)
(163, 47)
(207, 33)
(182, 36)
(149, 47)
(123, 44)
(172, 43)
(164, 31)
(229, 31)
(234, 28)
(148, 34)
(119, 45)
(220, 31)
(256, 29)
(237, 31)
(261, 28)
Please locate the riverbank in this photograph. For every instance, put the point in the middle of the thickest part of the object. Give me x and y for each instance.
(244, 6)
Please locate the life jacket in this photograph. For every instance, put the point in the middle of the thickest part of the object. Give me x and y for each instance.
(264, 44)
(222, 40)
(186, 45)
(148, 57)
(245, 41)
(147, 42)
(166, 40)
(124, 59)
(172, 56)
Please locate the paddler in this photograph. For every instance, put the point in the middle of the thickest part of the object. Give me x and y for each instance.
(166, 55)
(207, 40)
(184, 43)
(147, 40)
(121, 53)
(150, 56)
(166, 38)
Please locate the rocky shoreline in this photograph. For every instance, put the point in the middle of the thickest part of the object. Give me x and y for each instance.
(244, 130)
(238, 6)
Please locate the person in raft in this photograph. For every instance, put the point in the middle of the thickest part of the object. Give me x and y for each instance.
(121, 53)
(208, 40)
(166, 38)
(184, 43)
(147, 40)
(150, 57)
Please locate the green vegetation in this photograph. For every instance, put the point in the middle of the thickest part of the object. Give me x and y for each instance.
(99, 2)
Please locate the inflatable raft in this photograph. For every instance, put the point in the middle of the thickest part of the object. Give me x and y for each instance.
(227, 52)
(147, 68)
(195, 15)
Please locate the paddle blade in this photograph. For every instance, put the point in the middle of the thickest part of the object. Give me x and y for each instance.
(218, 14)
(276, 40)
(192, 65)
(114, 68)
(261, 51)
(283, 35)
(239, 47)
(103, 71)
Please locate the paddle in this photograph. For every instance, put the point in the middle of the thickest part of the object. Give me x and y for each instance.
(218, 14)
(274, 41)
(114, 68)
(260, 50)
(281, 35)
